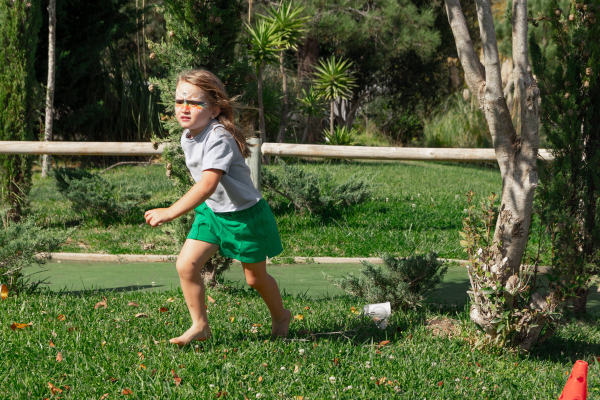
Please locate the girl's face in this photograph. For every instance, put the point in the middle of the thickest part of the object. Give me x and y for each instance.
(192, 109)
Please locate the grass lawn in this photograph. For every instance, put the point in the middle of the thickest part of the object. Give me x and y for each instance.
(387, 223)
(109, 351)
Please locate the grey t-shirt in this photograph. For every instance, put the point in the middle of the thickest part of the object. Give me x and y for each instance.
(216, 148)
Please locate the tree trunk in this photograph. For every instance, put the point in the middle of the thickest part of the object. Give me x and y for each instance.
(306, 130)
(516, 155)
(261, 111)
(331, 118)
(308, 55)
(580, 302)
(354, 104)
(47, 160)
(284, 106)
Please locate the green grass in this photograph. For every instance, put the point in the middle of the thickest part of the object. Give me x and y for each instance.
(101, 352)
(387, 223)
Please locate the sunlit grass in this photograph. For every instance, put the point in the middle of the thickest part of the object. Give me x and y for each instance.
(110, 350)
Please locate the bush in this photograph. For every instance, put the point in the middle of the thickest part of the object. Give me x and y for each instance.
(304, 190)
(24, 244)
(341, 136)
(92, 195)
(404, 282)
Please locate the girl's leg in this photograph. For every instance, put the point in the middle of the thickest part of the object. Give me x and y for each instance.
(257, 278)
(192, 258)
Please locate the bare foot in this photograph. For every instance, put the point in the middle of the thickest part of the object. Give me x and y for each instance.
(280, 328)
(194, 333)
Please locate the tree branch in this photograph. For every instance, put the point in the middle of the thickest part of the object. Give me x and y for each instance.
(487, 30)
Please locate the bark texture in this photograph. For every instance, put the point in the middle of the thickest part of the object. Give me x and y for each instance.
(516, 154)
(308, 55)
(284, 105)
(47, 160)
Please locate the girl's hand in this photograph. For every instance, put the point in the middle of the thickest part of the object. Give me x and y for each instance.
(157, 216)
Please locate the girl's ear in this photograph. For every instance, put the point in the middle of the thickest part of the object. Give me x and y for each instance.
(216, 112)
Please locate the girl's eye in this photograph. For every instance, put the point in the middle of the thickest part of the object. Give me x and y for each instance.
(192, 104)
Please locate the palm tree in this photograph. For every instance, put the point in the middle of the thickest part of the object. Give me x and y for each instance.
(291, 28)
(333, 80)
(311, 105)
(265, 41)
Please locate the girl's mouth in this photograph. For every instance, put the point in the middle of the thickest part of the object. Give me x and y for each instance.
(185, 118)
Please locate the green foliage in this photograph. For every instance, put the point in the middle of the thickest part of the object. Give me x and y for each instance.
(20, 96)
(404, 282)
(341, 136)
(311, 102)
(570, 116)
(304, 190)
(334, 79)
(101, 92)
(265, 40)
(93, 196)
(457, 123)
(24, 244)
(288, 23)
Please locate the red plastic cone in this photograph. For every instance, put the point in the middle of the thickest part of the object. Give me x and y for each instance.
(576, 387)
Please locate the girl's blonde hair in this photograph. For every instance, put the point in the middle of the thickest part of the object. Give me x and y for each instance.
(217, 97)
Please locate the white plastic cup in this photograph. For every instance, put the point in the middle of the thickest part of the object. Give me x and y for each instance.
(378, 313)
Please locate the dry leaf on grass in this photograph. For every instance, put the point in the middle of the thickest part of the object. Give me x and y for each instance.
(256, 325)
(61, 317)
(260, 379)
(141, 315)
(222, 393)
(176, 378)
(126, 392)
(54, 334)
(296, 368)
(54, 389)
(104, 396)
(59, 357)
(210, 299)
(140, 355)
(3, 291)
(299, 317)
(164, 309)
(16, 326)
(142, 366)
(170, 300)
(133, 304)
(231, 318)
(381, 381)
(383, 343)
(51, 344)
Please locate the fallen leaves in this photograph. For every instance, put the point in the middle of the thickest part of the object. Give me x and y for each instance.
(296, 368)
(59, 357)
(141, 315)
(3, 291)
(101, 304)
(164, 309)
(141, 355)
(210, 299)
(231, 319)
(52, 344)
(299, 317)
(260, 379)
(61, 317)
(354, 310)
(222, 393)
(126, 392)
(54, 389)
(104, 396)
(381, 381)
(440, 383)
(170, 300)
(176, 378)
(16, 326)
(133, 304)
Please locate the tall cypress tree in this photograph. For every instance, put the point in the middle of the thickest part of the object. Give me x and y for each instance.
(571, 118)
(20, 95)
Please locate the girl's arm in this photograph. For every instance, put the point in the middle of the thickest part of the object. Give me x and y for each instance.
(197, 195)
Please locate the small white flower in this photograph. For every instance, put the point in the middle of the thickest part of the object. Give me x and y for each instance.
(456, 196)
(301, 351)
(433, 364)
(465, 211)
(283, 368)
(457, 380)
(348, 388)
(258, 395)
(391, 357)
(387, 199)
(484, 388)
(211, 386)
(418, 194)
(332, 379)
(153, 283)
(480, 251)
(254, 330)
(413, 205)
(373, 378)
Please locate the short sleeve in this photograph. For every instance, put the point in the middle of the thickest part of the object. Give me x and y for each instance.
(218, 154)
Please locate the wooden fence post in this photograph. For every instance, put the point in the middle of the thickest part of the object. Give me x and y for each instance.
(254, 161)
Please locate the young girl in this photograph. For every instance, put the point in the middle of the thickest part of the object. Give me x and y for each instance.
(231, 215)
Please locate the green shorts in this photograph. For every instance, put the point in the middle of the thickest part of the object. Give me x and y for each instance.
(248, 235)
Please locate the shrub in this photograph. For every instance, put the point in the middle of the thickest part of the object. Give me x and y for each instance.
(93, 196)
(24, 244)
(404, 282)
(304, 190)
(341, 136)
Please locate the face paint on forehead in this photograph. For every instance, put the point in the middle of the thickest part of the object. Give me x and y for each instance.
(186, 95)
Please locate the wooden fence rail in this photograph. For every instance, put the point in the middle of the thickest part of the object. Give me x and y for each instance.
(271, 149)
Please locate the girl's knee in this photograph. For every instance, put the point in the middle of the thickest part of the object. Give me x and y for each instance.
(185, 267)
(255, 280)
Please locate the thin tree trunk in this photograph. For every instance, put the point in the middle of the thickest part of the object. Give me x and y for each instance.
(306, 130)
(308, 56)
(284, 106)
(47, 160)
(331, 118)
(144, 33)
(137, 33)
(580, 302)
(261, 111)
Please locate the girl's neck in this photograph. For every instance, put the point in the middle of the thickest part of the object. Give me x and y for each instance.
(196, 131)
